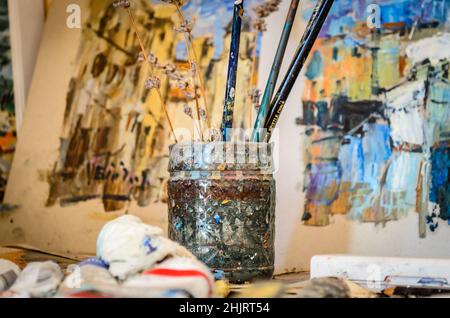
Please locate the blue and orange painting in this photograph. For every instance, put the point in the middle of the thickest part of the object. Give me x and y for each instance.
(213, 18)
(376, 111)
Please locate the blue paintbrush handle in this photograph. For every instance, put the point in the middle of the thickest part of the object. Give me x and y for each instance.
(275, 72)
(230, 93)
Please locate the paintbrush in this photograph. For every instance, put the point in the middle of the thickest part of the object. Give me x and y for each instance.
(230, 92)
(313, 28)
(275, 71)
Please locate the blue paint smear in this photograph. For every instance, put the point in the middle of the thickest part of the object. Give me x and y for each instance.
(402, 177)
(213, 17)
(351, 159)
(148, 244)
(94, 261)
(322, 176)
(376, 151)
(345, 13)
(315, 67)
(440, 181)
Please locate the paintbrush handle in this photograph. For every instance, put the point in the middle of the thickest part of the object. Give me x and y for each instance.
(230, 92)
(275, 71)
(313, 28)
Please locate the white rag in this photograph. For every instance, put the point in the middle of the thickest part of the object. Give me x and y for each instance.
(38, 280)
(129, 246)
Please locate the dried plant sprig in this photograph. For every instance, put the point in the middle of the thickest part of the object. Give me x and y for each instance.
(188, 110)
(186, 27)
(262, 12)
(121, 4)
(203, 114)
(175, 2)
(126, 4)
(267, 8)
(260, 25)
(255, 95)
(177, 78)
(152, 82)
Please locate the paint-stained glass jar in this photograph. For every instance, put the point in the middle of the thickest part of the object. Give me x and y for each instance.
(222, 206)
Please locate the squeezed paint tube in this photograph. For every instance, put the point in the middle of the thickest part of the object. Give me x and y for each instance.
(8, 274)
(38, 280)
(129, 246)
(175, 277)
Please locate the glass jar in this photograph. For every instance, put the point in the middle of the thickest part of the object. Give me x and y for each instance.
(222, 206)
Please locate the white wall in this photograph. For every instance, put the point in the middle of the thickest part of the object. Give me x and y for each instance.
(295, 243)
(26, 27)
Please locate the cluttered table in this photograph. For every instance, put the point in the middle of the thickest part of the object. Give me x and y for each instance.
(281, 286)
(292, 285)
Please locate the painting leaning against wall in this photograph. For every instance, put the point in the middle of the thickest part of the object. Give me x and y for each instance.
(376, 111)
(115, 137)
(7, 108)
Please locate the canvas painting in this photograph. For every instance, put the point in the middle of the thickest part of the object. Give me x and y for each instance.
(94, 142)
(115, 136)
(376, 110)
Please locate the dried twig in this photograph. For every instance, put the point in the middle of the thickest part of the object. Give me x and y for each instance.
(126, 4)
(193, 59)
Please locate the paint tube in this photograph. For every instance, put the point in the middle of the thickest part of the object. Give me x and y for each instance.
(129, 246)
(88, 278)
(8, 274)
(38, 280)
(175, 277)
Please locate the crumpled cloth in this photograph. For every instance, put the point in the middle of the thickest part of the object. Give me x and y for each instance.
(129, 246)
(38, 280)
(8, 274)
(91, 274)
(178, 276)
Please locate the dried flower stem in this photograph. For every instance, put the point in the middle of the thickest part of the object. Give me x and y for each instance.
(141, 44)
(197, 103)
(188, 39)
(201, 82)
(253, 82)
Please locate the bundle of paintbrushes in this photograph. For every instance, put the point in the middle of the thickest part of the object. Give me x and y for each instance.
(271, 108)
(192, 82)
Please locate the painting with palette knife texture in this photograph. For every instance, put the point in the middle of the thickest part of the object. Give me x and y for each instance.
(115, 138)
(376, 112)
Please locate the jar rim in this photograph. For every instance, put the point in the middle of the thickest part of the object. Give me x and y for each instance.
(221, 156)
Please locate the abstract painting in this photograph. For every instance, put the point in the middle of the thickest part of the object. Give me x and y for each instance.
(7, 108)
(376, 111)
(115, 138)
